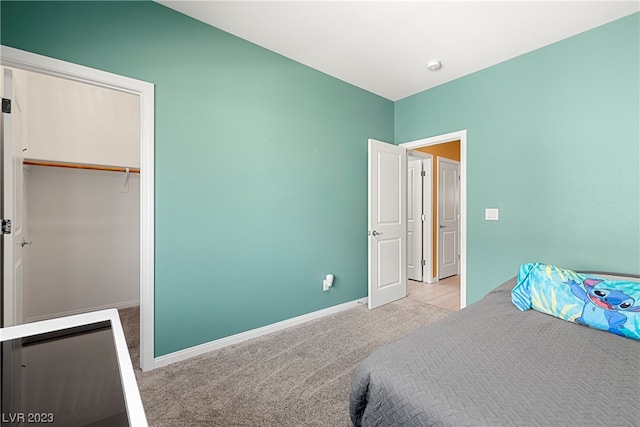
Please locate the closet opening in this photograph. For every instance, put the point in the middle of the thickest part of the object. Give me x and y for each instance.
(81, 200)
(81, 141)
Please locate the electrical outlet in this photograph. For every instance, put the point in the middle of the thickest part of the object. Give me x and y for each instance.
(491, 214)
(327, 282)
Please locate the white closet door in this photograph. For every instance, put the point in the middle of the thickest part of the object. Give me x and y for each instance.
(12, 200)
(414, 220)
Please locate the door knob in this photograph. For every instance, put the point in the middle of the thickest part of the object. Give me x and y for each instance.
(375, 233)
(443, 226)
(25, 242)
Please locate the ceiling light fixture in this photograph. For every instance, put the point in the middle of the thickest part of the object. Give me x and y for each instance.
(434, 65)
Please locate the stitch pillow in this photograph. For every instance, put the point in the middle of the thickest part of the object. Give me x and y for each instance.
(610, 305)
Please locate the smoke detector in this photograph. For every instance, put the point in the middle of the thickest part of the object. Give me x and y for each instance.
(434, 65)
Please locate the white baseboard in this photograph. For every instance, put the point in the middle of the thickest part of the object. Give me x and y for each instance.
(118, 306)
(187, 353)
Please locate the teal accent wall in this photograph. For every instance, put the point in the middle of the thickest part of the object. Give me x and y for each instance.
(554, 142)
(261, 170)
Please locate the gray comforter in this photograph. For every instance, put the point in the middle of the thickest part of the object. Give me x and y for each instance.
(493, 365)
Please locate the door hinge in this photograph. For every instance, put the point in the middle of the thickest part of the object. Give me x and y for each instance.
(423, 218)
(6, 226)
(423, 173)
(423, 262)
(6, 105)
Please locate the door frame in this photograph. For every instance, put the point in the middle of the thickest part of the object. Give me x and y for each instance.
(27, 61)
(439, 203)
(461, 136)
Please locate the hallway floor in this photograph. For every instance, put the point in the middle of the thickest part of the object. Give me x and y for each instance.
(444, 293)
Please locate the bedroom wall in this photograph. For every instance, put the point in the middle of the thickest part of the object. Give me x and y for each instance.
(553, 142)
(260, 164)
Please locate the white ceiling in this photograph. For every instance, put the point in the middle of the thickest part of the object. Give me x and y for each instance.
(384, 46)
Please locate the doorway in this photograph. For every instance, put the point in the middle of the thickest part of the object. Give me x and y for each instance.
(19, 60)
(419, 216)
(440, 206)
(431, 143)
(81, 193)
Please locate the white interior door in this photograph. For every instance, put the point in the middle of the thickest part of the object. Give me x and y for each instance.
(414, 219)
(12, 180)
(448, 217)
(387, 193)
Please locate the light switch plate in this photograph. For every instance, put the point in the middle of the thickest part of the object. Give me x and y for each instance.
(491, 214)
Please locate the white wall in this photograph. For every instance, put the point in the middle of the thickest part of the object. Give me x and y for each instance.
(80, 123)
(85, 241)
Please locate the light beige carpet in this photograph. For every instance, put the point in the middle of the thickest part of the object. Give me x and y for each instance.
(300, 376)
(130, 320)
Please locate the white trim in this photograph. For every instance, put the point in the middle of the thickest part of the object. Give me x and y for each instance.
(117, 306)
(440, 139)
(419, 155)
(135, 410)
(433, 140)
(14, 58)
(187, 353)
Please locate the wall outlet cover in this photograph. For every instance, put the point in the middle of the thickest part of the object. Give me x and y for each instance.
(491, 214)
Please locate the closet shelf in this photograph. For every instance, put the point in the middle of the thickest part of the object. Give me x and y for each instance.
(80, 166)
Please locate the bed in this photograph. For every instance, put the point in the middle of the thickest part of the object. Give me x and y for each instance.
(494, 365)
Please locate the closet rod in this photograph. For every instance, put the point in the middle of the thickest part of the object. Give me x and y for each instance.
(79, 166)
